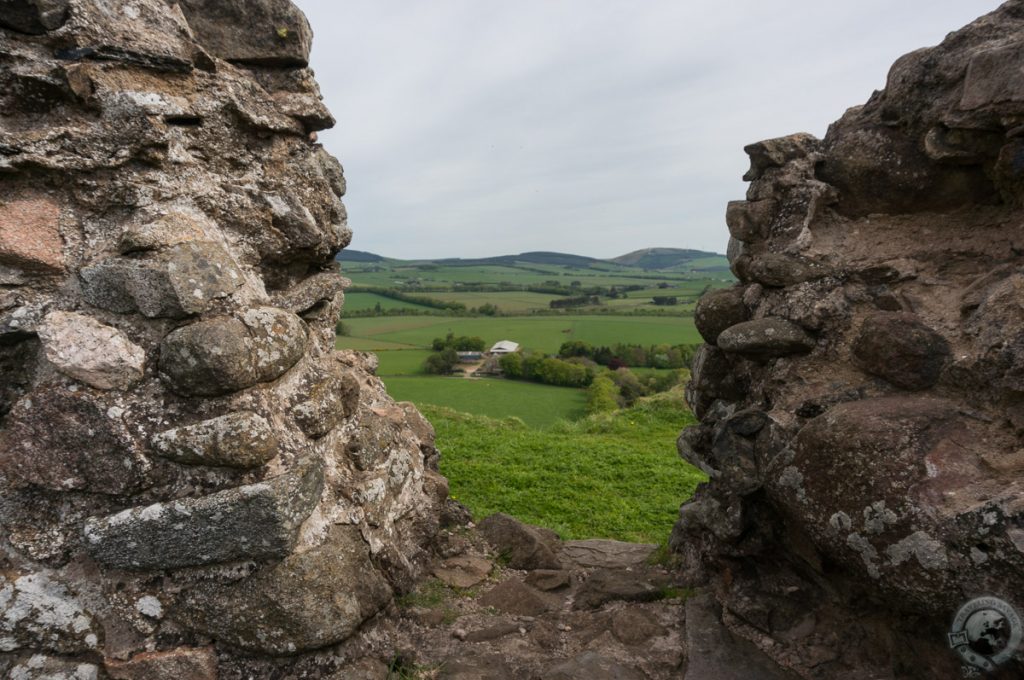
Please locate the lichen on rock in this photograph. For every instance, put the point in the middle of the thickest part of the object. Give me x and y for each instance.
(860, 395)
(176, 427)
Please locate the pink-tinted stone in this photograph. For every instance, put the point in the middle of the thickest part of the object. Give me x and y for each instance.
(193, 663)
(30, 234)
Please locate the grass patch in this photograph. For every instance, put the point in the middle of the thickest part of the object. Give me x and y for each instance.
(614, 475)
(429, 593)
(532, 404)
(367, 344)
(402, 361)
(541, 333)
(358, 301)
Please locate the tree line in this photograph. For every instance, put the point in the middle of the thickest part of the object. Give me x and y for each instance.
(622, 354)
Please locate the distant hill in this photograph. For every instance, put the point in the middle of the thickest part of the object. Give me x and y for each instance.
(536, 257)
(648, 258)
(663, 258)
(358, 256)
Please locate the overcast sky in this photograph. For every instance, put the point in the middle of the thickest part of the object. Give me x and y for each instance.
(479, 127)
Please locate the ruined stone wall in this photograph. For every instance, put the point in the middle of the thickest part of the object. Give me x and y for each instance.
(861, 392)
(190, 476)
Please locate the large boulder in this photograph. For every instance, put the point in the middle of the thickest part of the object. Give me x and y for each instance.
(861, 426)
(309, 600)
(898, 347)
(264, 33)
(256, 521)
(521, 545)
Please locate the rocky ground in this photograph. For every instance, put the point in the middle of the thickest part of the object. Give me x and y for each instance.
(509, 601)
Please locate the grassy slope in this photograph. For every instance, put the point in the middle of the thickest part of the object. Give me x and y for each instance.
(536, 405)
(543, 333)
(612, 475)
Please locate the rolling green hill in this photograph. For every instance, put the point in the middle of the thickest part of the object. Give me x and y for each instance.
(670, 258)
(649, 259)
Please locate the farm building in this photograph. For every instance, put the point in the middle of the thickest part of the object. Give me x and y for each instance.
(504, 347)
(470, 356)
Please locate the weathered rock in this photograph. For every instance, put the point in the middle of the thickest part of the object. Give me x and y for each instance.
(278, 340)
(193, 663)
(33, 16)
(764, 339)
(591, 665)
(185, 279)
(608, 585)
(310, 600)
(225, 354)
(36, 446)
(599, 553)
(748, 220)
(494, 632)
(993, 78)
(366, 668)
(264, 33)
(174, 228)
(331, 397)
(490, 666)
(718, 310)
(208, 358)
(257, 521)
(42, 667)
(897, 346)
(84, 349)
(159, 169)
(711, 378)
(714, 652)
(150, 35)
(464, 571)
(317, 288)
(635, 627)
(525, 547)
(241, 439)
(779, 270)
(548, 579)
(775, 153)
(37, 612)
(514, 597)
(30, 232)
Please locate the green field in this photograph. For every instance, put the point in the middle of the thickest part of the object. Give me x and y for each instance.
(540, 333)
(356, 301)
(536, 405)
(611, 475)
(528, 449)
(401, 361)
(506, 301)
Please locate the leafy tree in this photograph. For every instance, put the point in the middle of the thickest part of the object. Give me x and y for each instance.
(602, 395)
(630, 386)
(512, 365)
(442, 363)
(576, 348)
(467, 343)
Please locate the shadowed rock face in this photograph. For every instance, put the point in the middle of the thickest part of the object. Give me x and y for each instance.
(188, 469)
(860, 397)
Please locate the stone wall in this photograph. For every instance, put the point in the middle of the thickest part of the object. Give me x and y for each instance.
(861, 392)
(185, 461)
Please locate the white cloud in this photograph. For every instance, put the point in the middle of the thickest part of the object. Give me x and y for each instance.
(477, 127)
